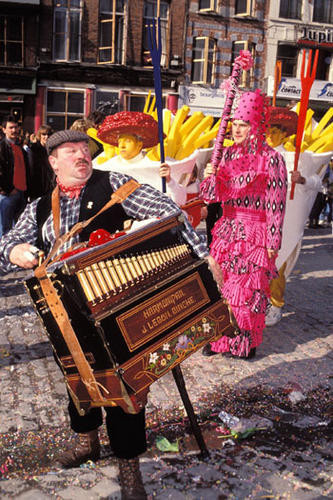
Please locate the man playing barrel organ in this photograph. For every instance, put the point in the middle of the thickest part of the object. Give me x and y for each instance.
(80, 193)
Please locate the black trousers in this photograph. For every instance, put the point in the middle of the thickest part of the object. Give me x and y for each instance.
(127, 432)
(214, 214)
(317, 208)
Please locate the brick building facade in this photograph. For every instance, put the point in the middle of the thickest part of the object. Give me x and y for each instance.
(19, 40)
(216, 32)
(292, 27)
(60, 59)
(88, 54)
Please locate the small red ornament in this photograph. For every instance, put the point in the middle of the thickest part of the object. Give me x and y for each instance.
(101, 236)
(96, 238)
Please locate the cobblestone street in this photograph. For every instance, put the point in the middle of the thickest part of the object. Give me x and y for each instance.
(296, 353)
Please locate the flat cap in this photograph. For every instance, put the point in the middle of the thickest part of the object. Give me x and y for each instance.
(58, 138)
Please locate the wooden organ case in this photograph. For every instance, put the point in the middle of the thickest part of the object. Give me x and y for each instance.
(139, 305)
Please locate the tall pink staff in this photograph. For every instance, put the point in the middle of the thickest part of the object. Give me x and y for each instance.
(242, 63)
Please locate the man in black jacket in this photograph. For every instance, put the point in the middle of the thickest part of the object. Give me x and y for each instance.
(14, 176)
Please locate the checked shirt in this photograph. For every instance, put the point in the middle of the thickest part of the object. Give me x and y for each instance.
(146, 202)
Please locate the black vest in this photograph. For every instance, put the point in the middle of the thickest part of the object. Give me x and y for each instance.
(97, 193)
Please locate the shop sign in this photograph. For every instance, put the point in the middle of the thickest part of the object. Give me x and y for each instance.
(290, 88)
(317, 35)
(206, 99)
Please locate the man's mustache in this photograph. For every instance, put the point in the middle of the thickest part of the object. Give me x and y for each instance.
(81, 162)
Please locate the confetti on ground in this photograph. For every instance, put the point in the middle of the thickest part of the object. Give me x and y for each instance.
(27, 455)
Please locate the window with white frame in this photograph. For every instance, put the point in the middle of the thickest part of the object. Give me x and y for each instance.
(244, 7)
(151, 11)
(11, 40)
(291, 9)
(203, 60)
(208, 5)
(287, 54)
(247, 76)
(67, 30)
(323, 11)
(111, 31)
(64, 107)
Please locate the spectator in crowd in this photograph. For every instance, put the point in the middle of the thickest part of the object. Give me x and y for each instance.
(26, 142)
(14, 175)
(83, 125)
(42, 175)
(328, 186)
(96, 118)
(32, 138)
(320, 204)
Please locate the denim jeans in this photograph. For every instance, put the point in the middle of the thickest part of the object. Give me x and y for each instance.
(10, 207)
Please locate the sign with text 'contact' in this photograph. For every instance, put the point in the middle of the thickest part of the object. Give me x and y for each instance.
(321, 90)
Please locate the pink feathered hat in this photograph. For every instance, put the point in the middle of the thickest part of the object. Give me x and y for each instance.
(253, 108)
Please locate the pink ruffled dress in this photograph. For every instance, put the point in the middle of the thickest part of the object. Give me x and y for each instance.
(252, 188)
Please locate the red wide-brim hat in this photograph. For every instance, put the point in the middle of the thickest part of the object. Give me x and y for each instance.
(284, 118)
(132, 123)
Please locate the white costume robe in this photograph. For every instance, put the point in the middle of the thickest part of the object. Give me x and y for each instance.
(312, 167)
(146, 171)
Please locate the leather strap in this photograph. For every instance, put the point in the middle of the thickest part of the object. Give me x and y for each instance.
(60, 315)
(56, 211)
(117, 197)
(55, 304)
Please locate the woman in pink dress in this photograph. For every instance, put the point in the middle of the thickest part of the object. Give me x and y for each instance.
(251, 184)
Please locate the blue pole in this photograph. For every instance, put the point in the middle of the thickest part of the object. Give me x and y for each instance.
(155, 52)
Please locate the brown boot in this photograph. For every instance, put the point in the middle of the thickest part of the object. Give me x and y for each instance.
(88, 448)
(131, 480)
